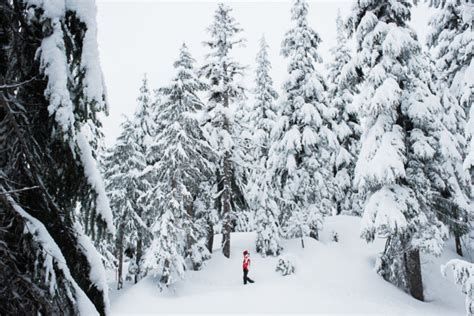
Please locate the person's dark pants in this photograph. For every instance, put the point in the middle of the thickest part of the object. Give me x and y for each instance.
(246, 278)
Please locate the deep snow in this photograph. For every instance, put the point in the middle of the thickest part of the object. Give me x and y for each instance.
(330, 278)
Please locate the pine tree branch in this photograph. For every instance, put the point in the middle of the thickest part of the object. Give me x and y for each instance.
(16, 85)
(19, 190)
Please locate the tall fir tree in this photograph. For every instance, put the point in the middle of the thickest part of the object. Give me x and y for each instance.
(451, 41)
(225, 91)
(400, 162)
(346, 126)
(451, 36)
(301, 151)
(185, 163)
(244, 220)
(261, 119)
(146, 127)
(452, 198)
(124, 164)
(51, 99)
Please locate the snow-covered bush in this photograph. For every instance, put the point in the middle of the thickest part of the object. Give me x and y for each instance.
(286, 265)
(132, 271)
(463, 273)
(198, 255)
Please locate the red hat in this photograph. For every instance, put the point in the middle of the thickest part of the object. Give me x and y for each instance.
(245, 252)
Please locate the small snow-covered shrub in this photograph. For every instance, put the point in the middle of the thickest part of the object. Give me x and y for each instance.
(132, 271)
(286, 265)
(199, 254)
(463, 273)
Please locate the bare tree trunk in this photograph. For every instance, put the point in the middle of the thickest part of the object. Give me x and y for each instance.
(226, 194)
(190, 241)
(138, 258)
(119, 251)
(226, 208)
(165, 275)
(457, 240)
(302, 238)
(218, 207)
(413, 268)
(210, 236)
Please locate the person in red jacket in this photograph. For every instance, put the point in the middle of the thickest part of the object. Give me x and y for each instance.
(245, 266)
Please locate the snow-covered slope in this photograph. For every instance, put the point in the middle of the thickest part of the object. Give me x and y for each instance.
(330, 278)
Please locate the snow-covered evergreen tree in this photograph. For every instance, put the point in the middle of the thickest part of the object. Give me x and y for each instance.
(223, 74)
(242, 131)
(452, 40)
(261, 118)
(123, 167)
(400, 162)
(145, 115)
(165, 255)
(185, 162)
(300, 154)
(452, 198)
(346, 126)
(145, 128)
(451, 36)
(51, 100)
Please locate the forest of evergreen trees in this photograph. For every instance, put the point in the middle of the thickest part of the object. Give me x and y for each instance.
(387, 134)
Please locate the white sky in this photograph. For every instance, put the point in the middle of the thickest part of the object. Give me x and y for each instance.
(137, 37)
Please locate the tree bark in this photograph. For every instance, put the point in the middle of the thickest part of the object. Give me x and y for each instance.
(413, 268)
(138, 259)
(457, 241)
(210, 236)
(226, 182)
(165, 276)
(226, 207)
(120, 236)
(190, 241)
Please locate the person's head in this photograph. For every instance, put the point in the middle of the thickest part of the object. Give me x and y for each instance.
(246, 253)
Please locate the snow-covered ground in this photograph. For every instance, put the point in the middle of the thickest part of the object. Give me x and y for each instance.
(330, 278)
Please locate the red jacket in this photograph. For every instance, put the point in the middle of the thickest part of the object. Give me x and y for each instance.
(246, 262)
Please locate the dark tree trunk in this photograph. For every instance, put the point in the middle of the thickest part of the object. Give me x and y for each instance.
(220, 187)
(165, 275)
(338, 208)
(226, 194)
(138, 259)
(457, 240)
(226, 207)
(190, 241)
(210, 237)
(120, 236)
(413, 269)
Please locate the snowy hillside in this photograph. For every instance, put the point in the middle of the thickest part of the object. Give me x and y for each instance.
(330, 278)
